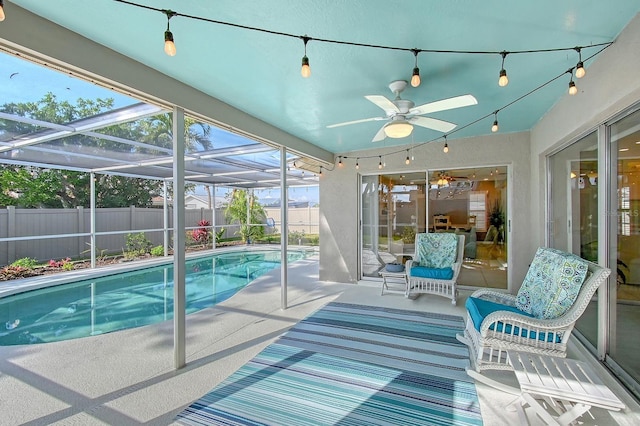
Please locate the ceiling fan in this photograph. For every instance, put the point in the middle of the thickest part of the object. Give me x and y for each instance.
(402, 114)
(443, 179)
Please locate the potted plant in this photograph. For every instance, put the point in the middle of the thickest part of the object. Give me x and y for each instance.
(496, 218)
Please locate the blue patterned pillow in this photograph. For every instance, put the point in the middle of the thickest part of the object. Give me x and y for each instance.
(436, 250)
(552, 283)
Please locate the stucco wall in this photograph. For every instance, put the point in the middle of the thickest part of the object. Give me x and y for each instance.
(611, 85)
(339, 196)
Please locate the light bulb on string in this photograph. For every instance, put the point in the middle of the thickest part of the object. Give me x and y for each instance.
(408, 160)
(169, 44)
(580, 71)
(446, 146)
(415, 78)
(380, 163)
(503, 80)
(2, 16)
(339, 161)
(572, 87)
(495, 126)
(305, 71)
(320, 171)
(357, 165)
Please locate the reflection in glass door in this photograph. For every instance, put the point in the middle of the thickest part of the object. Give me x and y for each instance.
(573, 222)
(624, 291)
(473, 202)
(392, 212)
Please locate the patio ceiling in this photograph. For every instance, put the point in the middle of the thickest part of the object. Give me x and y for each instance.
(247, 55)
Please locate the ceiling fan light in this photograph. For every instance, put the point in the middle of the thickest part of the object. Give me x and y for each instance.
(415, 78)
(398, 129)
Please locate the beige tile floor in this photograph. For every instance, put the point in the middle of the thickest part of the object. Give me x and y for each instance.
(128, 378)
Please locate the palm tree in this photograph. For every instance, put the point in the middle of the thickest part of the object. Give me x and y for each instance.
(238, 204)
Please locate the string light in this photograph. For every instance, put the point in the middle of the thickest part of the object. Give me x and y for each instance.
(339, 161)
(580, 71)
(380, 163)
(503, 80)
(572, 87)
(446, 147)
(320, 171)
(169, 45)
(357, 165)
(407, 161)
(305, 71)
(495, 126)
(415, 78)
(2, 10)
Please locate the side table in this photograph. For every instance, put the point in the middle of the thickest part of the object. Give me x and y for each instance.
(394, 282)
(570, 387)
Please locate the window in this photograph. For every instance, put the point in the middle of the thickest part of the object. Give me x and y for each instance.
(478, 208)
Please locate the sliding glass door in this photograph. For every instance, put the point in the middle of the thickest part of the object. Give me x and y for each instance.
(624, 249)
(576, 220)
(392, 212)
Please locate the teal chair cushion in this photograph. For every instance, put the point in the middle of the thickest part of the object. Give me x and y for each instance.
(436, 250)
(479, 309)
(436, 273)
(552, 283)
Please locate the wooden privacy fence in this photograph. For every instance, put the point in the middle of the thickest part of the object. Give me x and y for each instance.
(45, 234)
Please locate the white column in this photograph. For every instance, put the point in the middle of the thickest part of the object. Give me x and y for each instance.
(179, 302)
(213, 215)
(165, 218)
(284, 227)
(92, 215)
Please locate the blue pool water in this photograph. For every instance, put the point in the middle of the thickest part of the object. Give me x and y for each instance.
(127, 300)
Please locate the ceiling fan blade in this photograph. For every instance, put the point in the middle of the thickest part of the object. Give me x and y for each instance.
(380, 135)
(384, 103)
(346, 123)
(433, 123)
(444, 104)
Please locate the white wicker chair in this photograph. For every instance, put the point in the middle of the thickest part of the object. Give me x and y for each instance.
(440, 287)
(498, 331)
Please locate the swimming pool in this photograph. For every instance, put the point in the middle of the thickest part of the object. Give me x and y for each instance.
(127, 300)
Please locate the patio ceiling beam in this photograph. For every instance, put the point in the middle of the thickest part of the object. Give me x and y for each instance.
(122, 115)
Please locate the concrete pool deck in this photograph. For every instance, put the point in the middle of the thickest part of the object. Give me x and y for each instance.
(127, 377)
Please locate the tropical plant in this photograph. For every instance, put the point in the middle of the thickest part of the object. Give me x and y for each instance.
(238, 205)
(202, 235)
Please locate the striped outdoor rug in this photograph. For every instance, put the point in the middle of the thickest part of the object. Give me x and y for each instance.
(350, 365)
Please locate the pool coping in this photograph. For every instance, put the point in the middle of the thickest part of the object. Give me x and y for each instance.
(11, 287)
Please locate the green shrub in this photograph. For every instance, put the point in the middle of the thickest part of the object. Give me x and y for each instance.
(25, 262)
(137, 245)
(157, 251)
